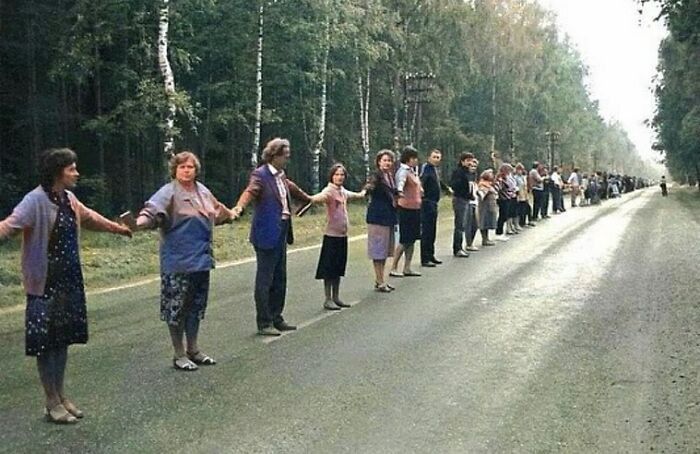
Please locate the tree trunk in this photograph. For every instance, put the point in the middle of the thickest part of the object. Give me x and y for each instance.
(98, 108)
(364, 92)
(396, 84)
(207, 131)
(493, 103)
(259, 89)
(32, 95)
(168, 78)
(316, 152)
(126, 158)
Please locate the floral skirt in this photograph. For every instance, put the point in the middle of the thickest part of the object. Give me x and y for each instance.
(182, 294)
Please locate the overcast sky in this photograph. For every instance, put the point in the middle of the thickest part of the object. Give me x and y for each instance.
(620, 49)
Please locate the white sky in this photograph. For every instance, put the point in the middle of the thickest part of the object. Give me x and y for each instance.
(620, 48)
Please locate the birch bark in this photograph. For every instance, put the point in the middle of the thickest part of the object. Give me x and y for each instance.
(316, 152)
(168, 78)
(259, 86)
(364, 93)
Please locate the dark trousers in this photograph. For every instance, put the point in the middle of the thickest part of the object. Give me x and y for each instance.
(544, 207)
(460, 207)
(271, 281)
(537, 197)
(524, 213)
(505, 212)
(557, 200)
(428, 228)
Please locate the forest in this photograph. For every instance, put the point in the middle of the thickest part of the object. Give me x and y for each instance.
(677, 120)
(127, 82)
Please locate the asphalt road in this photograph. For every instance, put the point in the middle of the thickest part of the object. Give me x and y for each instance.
(580, 335)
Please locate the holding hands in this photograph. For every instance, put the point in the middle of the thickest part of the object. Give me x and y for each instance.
(236, 212)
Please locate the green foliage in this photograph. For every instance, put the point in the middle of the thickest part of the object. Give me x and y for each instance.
(677, 120)
(92, 69)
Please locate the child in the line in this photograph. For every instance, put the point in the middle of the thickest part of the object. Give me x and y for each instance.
(334, 251)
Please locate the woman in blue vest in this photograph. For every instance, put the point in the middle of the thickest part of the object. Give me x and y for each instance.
(185, 211)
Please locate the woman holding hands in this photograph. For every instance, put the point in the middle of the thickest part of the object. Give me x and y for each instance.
(185, 211)
(50, 218)
(334, 250)
(381, 216)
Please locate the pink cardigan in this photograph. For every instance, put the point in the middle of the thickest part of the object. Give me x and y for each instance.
(35, 216)
(336, 199)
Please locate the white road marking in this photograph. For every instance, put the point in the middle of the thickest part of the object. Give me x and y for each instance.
(304, 324)
(21, 307)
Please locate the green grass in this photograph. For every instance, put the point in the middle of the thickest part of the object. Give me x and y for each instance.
(110, 260)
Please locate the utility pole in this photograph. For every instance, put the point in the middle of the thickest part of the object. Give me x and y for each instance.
(417, 88)
(512, 144)
(552, 138)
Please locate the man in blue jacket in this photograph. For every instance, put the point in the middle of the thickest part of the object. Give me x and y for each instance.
(270, 232)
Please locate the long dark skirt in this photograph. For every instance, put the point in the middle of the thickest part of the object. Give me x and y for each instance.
(58, 318)
(333, 258)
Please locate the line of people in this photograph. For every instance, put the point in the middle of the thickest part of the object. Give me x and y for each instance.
(185, 212)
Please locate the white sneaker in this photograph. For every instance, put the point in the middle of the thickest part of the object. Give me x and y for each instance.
(502, 238)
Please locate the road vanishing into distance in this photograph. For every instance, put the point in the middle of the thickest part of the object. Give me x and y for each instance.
(579, 335)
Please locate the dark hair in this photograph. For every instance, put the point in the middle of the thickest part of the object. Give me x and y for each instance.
(334, 168)
(182, 157)
(576, 169)
(381, 154)
(434, 150)
(274, 147)
(408, 153)
(52, 162)
(465, 155)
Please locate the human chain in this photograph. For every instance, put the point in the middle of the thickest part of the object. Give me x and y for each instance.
(403, 200)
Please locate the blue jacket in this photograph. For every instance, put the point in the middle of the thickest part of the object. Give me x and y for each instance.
(381, 209)
(266, 227)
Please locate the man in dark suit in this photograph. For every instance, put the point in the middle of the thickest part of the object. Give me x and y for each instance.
(432, 186)
(270, 232)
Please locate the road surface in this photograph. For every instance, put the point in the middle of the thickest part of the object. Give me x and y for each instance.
(580, 335)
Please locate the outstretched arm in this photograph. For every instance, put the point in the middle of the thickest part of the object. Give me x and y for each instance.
(92, 220)
(251, 192)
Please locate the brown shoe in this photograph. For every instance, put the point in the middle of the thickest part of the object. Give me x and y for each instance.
(59, 415)
(72, 409)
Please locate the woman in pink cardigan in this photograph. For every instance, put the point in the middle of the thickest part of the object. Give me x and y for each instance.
(50, 218)
(334, 250)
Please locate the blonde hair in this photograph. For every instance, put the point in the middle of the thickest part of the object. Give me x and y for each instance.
(182, 157)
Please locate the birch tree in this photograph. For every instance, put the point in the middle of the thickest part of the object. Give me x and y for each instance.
(259, 89)
(363, 88)
(168, 78)
(318, 145)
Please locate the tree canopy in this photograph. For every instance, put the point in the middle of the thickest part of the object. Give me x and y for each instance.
(677, 119)
(85, 74)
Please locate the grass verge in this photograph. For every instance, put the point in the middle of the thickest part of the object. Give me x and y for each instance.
(110, 260)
